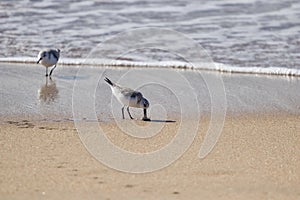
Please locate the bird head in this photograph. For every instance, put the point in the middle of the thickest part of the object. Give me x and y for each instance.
(145, 103)
(41, 55)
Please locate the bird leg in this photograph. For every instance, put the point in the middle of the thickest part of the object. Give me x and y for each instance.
(129, 113)
(145, 118)
(52, 70)
(46, 71)
(123, 112)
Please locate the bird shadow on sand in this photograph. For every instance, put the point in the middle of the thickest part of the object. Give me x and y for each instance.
(162, 121)
(72, 77)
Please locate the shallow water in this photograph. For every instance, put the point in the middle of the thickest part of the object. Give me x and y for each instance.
(239, 33)
(173, 94)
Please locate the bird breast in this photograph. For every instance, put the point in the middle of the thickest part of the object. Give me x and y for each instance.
(49, 61)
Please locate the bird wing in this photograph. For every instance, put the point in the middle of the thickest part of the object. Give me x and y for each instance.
(55, 53)
(126, 91)
(132, 94)
(137, 95)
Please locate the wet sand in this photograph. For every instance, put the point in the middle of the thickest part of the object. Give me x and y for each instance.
(256, 157)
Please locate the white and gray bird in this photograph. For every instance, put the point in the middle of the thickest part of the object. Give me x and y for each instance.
(49, 58)
(129, 98)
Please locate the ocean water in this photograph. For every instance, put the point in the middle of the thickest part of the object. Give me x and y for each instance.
(245, 36)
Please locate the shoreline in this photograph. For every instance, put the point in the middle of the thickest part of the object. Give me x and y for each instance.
(177, 65)
(55, 119)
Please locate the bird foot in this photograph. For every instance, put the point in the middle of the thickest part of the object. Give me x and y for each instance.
(146, 119)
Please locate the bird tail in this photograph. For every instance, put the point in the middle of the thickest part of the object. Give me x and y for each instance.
(109, 81)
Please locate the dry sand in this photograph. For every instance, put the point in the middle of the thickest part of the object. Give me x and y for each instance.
(256, 157)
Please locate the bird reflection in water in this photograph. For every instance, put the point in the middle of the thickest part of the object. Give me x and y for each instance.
(48, 92)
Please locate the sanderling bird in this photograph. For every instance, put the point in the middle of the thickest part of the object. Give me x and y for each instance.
(48, 58)
(129, 98)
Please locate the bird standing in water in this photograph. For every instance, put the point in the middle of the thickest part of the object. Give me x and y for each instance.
(49, 58)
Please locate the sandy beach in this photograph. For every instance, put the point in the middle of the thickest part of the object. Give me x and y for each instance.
(256, 157)
(42, 156)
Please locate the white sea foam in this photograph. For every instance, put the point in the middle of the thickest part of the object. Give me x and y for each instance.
(218, 67)
(236, 32)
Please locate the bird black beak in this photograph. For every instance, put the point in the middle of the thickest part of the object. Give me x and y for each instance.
(38, 61)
